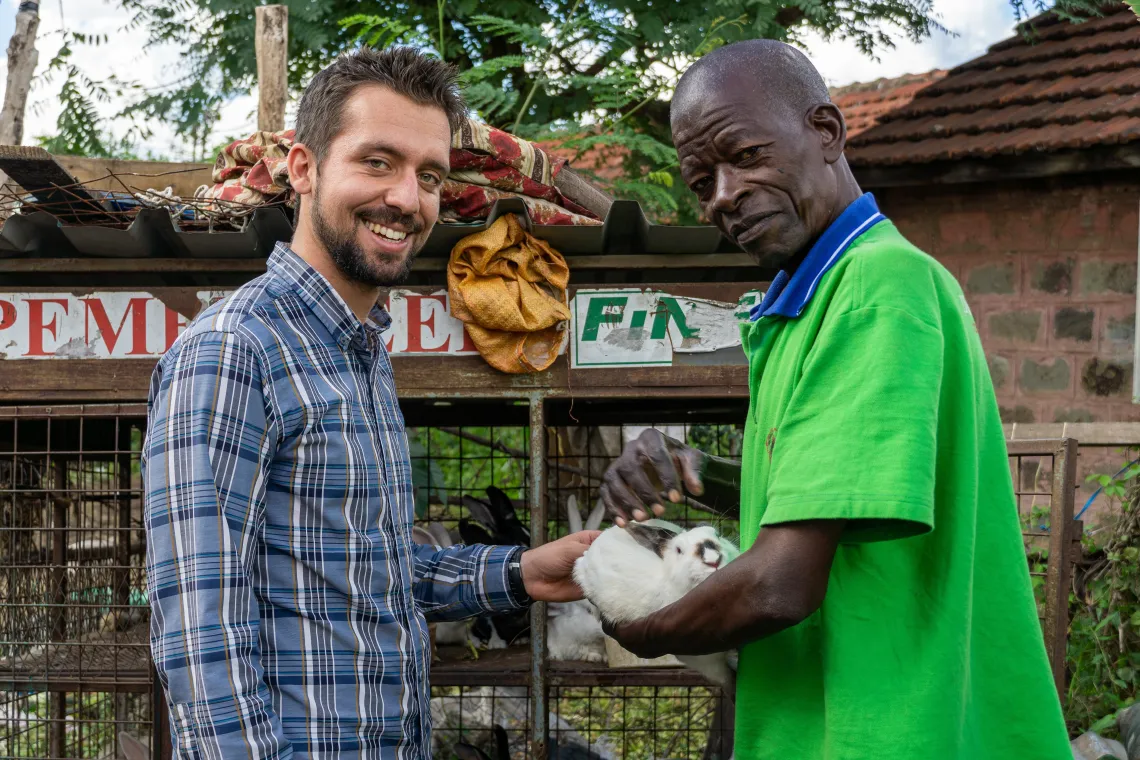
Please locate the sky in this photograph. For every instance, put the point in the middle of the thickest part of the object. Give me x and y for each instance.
(974, 26)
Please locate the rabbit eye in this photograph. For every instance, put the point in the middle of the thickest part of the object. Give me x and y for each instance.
(678, 550)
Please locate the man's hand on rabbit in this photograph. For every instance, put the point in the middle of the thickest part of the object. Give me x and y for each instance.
(652, 470)
(547, 571)
(633, 638)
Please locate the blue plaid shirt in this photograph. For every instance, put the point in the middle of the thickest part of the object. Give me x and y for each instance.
(288, 597)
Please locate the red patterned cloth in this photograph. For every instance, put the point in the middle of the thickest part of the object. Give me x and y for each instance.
(251, 172)
(487, 164)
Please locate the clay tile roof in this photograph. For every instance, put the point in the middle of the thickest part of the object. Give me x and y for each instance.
(1069, 86)
(862, 104)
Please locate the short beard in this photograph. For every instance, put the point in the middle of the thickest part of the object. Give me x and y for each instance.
(348, 256)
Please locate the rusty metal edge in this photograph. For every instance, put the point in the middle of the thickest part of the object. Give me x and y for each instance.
(539, 660)
(1059, 568)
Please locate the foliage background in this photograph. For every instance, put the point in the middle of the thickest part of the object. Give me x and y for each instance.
(592, 75)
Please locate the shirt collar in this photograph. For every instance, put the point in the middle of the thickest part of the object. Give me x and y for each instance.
(787, 296)
(327, 305)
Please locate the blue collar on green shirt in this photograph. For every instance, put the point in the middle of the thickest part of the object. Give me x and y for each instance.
(787, 296)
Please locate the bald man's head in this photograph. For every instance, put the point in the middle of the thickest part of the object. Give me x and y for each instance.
(774, 71)
(760, 143)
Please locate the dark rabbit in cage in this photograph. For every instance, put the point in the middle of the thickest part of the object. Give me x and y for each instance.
(495, 522)
(555, 751)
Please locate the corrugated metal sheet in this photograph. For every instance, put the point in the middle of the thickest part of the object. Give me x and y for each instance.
(154, 234)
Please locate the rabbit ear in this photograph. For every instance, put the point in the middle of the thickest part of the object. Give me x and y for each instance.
(573, 516)
(439, 532)
(481, 511)
(474, 533)
(467, 752)
(502, 746)
(424, 537)
(501, 504)
(132, 748)
(508, 527)
(652, 537)
(594, 521)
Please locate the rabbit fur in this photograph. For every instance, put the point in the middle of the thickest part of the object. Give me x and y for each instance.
(631, 572)
(574, 629)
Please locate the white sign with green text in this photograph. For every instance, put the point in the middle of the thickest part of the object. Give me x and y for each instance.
(634, 328)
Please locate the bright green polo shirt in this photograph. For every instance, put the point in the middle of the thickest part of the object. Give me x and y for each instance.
(875, 406)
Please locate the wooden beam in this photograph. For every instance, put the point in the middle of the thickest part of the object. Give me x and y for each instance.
(1108, 434)
(426, 377)
(116, 175)
(272, 46)
(1026, 166)
(428, 264)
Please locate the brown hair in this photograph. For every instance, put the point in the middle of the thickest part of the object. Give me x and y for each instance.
(405, 71)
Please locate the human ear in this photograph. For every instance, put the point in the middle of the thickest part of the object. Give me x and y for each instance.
(302, 165)
(827, 121)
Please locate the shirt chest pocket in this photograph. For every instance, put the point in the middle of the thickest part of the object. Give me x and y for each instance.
(332, 465)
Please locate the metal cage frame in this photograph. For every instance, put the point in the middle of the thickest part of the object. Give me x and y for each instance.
(547, 682)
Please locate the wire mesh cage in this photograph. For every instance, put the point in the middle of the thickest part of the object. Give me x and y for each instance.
(74, 655)
(593, 711)
(74, 651)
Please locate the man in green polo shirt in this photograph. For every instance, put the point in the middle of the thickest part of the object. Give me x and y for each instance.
(882, 605)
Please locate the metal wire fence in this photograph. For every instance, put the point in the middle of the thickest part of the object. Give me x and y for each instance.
(74, 654)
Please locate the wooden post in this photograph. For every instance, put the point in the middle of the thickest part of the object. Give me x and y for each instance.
(272, 45)
(22, 60)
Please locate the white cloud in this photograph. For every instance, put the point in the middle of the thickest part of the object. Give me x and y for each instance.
(978, 24)
(973, 26)
(124, 54)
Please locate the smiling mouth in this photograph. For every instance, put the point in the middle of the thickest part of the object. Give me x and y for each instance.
(386, 232)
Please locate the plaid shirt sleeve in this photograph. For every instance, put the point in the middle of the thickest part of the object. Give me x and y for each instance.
(463, 581)
(209, 446)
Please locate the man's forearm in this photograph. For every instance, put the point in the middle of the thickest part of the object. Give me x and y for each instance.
(725, 612)
(776, 584)
(463, 581)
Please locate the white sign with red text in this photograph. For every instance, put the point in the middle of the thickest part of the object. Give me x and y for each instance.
(137, 325)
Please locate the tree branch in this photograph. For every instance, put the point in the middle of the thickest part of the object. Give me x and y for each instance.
(789, 17)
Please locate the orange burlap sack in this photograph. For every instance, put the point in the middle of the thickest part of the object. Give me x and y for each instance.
(509, 288)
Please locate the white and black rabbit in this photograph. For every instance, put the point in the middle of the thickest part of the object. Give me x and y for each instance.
(574, 629)
(631, 572)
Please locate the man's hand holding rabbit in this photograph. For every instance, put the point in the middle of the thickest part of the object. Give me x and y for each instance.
(547, 570)
(778, 583)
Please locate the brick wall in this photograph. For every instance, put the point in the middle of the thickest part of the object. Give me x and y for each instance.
(1049, 269)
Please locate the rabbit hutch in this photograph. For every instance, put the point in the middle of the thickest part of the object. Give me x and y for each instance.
(97, 278)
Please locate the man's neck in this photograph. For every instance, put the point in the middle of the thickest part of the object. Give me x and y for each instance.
(360, 298)
(849, 192)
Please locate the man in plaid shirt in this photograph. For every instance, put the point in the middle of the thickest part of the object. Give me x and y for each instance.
(288, 596)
